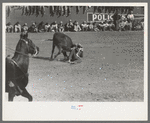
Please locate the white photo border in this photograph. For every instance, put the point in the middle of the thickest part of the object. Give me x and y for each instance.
(92, 111)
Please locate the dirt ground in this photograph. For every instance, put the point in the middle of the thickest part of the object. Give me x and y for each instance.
(111, 70)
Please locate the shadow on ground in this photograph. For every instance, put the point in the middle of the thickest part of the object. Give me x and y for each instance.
(49, 59)
(43, 58)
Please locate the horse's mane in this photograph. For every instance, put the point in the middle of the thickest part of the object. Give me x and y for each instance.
(23, 36)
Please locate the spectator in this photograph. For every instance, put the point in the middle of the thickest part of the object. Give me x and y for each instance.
(130, 19)
(24, 28)
(101, 26)
(122, 25)
(138, 26)
(33, 28)
(61, 27)
(116, 17)
(76, 27)
(123, 17)
(41, 27)
(90, 26)
(126, 24)
(84, 26)
(69, 26)
(142, 24)
(95, 27)
(106, 25)
(54, 27)
(111, 25)
(9, 27)
(47, 27)
(17, 27)
(24, 31)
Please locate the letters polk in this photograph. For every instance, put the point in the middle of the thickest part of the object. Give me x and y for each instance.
(101, 17)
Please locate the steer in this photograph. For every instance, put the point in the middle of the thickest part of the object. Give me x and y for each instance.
(63, 43)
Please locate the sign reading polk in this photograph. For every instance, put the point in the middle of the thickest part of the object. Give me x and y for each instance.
(97, 17)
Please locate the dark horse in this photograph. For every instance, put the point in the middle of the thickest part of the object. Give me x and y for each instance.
(17, 68)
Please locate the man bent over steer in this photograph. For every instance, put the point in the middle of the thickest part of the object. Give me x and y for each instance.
(76, 54)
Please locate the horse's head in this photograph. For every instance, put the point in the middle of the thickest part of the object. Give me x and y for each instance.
(32, 48)
(26, 45)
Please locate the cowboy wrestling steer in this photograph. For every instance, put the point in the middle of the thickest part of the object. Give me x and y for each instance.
(63, 43)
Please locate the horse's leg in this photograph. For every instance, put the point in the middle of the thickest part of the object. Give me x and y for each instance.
(52, 51)
(65, 55)
(11, 94)
(27, 95)
(10, 97)
(59, 52)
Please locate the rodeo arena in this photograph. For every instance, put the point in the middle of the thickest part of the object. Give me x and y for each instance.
(74, 53)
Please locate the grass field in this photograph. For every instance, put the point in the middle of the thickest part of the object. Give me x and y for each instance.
(111, 70)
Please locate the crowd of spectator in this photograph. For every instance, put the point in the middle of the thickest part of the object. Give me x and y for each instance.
(119, 23)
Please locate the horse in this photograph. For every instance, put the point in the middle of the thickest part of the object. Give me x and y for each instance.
(17, 68)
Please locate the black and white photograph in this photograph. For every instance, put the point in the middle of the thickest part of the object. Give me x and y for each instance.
(77, 58)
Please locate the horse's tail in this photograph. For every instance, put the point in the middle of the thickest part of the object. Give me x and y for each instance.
(48, 40)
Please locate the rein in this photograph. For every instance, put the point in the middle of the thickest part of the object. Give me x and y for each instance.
(18, 51)
(26, 74)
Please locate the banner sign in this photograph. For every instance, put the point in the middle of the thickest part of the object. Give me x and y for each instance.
(97, 17)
